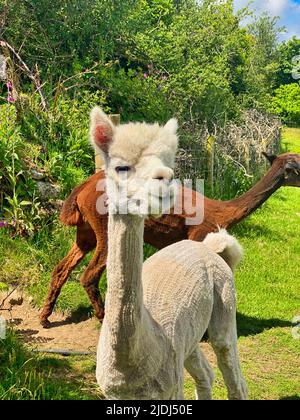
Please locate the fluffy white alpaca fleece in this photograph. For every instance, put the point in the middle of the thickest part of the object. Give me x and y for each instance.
(132, 140)
(148, 150)
(226, 246)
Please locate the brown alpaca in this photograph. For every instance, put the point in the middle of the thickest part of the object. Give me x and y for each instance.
(80, 210)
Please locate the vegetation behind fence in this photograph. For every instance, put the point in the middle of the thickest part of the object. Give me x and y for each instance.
(230, 159)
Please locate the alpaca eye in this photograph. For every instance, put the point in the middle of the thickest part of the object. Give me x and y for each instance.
(123, 169)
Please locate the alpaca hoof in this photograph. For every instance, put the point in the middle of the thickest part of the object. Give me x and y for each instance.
(45, 323)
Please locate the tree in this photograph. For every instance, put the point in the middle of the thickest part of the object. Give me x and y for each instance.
(286, 103)
(194, 57)
(262, 64)
(287, 51)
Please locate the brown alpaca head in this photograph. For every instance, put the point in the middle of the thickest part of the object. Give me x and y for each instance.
(289, 165)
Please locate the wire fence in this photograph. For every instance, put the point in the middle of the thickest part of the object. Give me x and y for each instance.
(229, 159)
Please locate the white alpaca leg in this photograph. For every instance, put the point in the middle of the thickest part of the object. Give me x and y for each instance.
(223, 337)
(200, 370)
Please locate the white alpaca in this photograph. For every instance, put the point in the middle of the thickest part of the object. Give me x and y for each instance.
(157, 312)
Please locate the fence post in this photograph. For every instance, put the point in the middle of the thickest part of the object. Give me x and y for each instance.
(247, 158)
(116, 120)
(210, 148)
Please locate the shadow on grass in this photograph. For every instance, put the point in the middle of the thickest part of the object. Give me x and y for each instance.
(249, 229)
(64, 382)
(290, 398)
(61, 381)
(248, 325)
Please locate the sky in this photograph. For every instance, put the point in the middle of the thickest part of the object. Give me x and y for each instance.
(287, 10)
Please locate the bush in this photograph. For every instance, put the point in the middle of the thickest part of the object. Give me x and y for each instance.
(62, 136)
(135, 94)
(54, 143)
(18, 203)
(197, 56)
(286, 103)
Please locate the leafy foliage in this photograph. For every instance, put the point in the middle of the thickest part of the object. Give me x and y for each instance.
(145, 59)
(287, 52)
(183, 57)
(55, 141)
(262, 65)
(286, 103)
(17, 192)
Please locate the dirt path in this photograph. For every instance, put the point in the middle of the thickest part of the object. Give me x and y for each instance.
(65, 333)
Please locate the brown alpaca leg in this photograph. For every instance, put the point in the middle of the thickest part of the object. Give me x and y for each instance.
(85, 242)
(91, 277)
(59, 277)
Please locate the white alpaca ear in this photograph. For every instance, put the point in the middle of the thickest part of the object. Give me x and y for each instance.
(172, 126)
(101, 129)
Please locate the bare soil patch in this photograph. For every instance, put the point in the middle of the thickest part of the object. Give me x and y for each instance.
(66, 333)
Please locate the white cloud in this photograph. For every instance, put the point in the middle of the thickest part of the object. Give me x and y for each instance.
(277, 7)
(287, 10)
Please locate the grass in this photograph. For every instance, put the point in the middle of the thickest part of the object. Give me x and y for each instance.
(25, 376)
(29, 262)
(268, 298)
(291, 140)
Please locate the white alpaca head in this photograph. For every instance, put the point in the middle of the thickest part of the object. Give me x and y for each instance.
(139, 160)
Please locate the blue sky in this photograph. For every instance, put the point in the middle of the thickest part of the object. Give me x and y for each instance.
(287, 10)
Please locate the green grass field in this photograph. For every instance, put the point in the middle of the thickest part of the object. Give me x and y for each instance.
(268, 286)
(26, 376)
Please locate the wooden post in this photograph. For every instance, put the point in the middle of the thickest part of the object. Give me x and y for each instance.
(3, 67)
(210, 148)
(116, 120)
(247, 158)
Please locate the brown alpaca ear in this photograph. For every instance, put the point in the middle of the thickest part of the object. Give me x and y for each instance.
(101, 130)
(270, 158)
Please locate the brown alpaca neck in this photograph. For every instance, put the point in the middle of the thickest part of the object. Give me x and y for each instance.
(254, 198)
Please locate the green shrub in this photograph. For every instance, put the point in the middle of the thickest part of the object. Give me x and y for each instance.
(146, 60)
(55, 142)
(18, 203)
(286, 103)
(62, 133)
(136, 94)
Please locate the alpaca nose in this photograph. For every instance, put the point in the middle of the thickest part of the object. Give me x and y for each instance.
(163, 174)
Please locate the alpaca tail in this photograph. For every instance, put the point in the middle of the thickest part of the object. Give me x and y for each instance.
(70, 214)
(226, 246)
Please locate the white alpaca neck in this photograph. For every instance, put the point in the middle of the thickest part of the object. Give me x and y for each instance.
(124, 300)
(132, 347)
